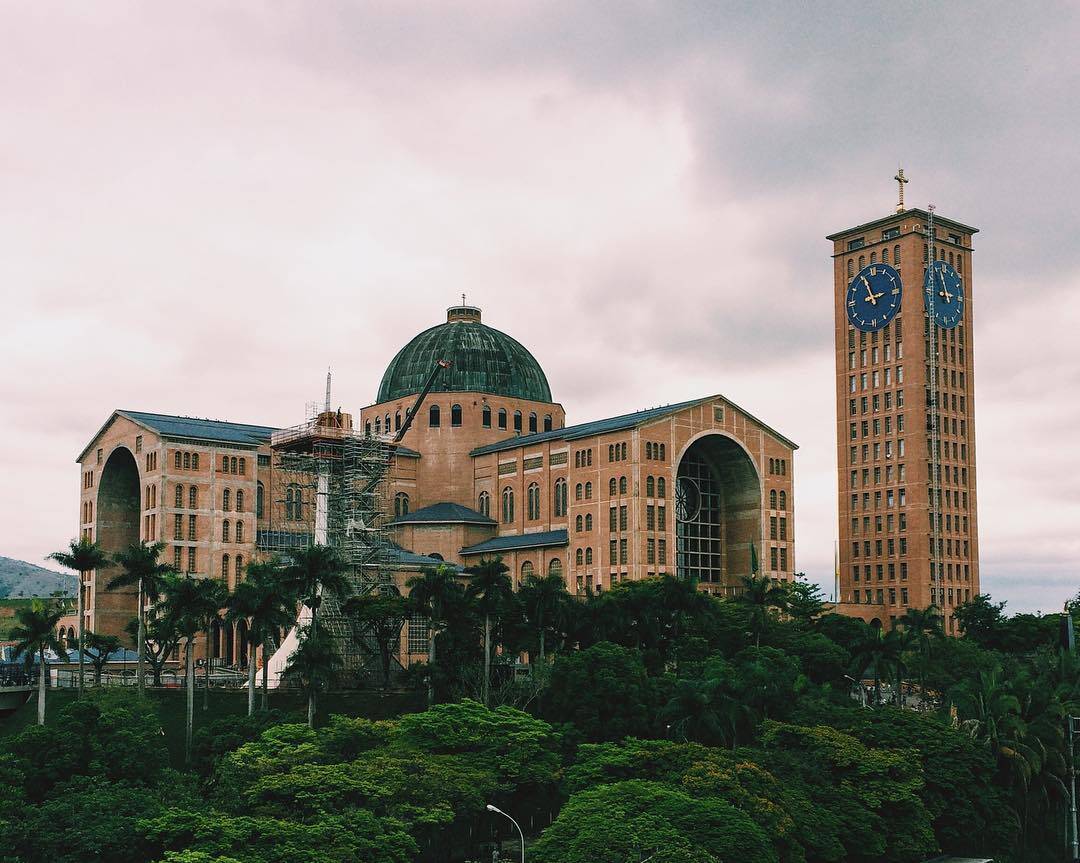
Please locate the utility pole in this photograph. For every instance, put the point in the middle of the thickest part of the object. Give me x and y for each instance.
(1072, 790)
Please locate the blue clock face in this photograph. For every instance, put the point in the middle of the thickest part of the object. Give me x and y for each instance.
(873, 297)
(944, 293)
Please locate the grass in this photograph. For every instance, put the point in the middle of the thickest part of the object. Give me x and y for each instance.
(171, 706)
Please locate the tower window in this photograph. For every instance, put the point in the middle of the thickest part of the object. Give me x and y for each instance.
(401, 504)
(508, 505)
(532, 422)
(484, 504)
(260, 497)
(547, 422)
(517, 421)
(560, 497)
(433, 418)
(485, 417)
(502, 418)
(455, 416)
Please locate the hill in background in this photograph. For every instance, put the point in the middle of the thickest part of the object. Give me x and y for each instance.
(21, 579)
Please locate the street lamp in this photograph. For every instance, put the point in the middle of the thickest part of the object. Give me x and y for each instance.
(862, 692)
(491, 808)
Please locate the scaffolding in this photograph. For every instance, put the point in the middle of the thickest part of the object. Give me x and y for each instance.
(329, 487)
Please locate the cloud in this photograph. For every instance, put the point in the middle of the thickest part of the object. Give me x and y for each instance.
(206, 205)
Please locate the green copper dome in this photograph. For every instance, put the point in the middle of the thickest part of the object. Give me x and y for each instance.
(484, 361)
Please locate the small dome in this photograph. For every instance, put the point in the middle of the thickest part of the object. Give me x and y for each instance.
(484, 361)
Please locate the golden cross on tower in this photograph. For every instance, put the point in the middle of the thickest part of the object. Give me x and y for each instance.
(900, 180)
(462, 299)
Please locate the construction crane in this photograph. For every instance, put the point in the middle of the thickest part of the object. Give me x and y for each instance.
(410, 415)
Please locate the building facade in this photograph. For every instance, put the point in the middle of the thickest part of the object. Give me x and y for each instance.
(887, 405)
(699, 489)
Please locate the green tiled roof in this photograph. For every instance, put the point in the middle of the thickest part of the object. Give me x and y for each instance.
(444, 513)
(484, 359)
(543, 539)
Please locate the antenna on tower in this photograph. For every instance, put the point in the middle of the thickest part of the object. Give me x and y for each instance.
(328, 389)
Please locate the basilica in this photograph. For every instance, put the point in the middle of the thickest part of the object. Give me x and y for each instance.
(483, 464)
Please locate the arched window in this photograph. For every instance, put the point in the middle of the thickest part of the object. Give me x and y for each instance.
(579, 557)
(397, 421)
(579, 491)
(290, 503)
(233, 465)
(386, 422)
(378, 425)
(650, 487)
(579, 524)
(560, 497)
(532, 422)
(239, 567)
(873, 257)
(588, 491)
(455, 416)
(187, 460)
(526, 570)
(485, 417)
(239, 500)
(225, 500)
(533, 501)
(260, 500)
(612, 487)
(176, 460)
(661, 487)
(885, 255)
(783, 500)
(401, 504)
(588, 556)
(663, 452)
(367, 427)
(225, 567)
(243, 466)
(484, 504)
(772, 498)
(517, 421)
(850, 268)
(192, 497)
(239, 531)
(648, 450)
(179, 495)
(588, 521)
(502, 418)
(225, 531)
(508, 505)
(195, 461)
(622, 485)
(547, 422)
(555, 567)
(896, 255)
(432, 417)
(862, 261)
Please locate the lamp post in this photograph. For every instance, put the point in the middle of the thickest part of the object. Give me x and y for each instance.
(491, 808)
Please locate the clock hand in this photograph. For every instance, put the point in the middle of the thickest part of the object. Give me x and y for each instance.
(944, 288)
(869, 292)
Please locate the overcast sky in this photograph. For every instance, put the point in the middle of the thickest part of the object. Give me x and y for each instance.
(203, 205)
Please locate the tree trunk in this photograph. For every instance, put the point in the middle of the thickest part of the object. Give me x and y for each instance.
(431, 667)
(487, 660)
(311, 707)
(251, 676)
(82, 671)
(542, 634)
(142, 642)
(266, 676)
(190, 698)
(206, 677)
(41, 688)
(97, 675)
(877, 688)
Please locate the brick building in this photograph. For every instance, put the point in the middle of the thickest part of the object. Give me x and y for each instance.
(886, 412)
(488, 466)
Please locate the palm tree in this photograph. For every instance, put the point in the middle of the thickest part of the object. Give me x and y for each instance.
(313, 572)
(82, 556)
(142, 570)
(315, 662)
(262, 601)
(760, 595)
(189, 603)
(490, 587)
(431, 594)
(705, 712)
(33, 635)
(159, 640)
(380, 616)
(924, 624)
(545, 601)
(103, 646)
(873, 649)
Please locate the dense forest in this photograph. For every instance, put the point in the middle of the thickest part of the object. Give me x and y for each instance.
(656, 723)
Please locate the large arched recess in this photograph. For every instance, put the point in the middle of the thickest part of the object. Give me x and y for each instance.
(718, 512)
(117, 527)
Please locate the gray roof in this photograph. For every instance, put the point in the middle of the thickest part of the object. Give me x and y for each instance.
(525, 540)
(395, 554)
(444, 513)
(194, 428)
(613, 424)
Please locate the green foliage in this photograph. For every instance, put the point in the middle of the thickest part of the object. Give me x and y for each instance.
(639, 818)
(604, 691)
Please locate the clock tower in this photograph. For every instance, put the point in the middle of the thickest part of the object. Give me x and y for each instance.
(905, 416)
